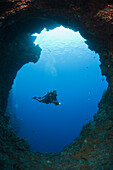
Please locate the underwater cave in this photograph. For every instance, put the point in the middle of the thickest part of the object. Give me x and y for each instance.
(79, 132)
(67, 65)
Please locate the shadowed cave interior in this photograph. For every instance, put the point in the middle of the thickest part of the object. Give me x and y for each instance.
(18, 21)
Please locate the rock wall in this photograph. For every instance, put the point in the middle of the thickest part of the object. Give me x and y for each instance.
(94, 20)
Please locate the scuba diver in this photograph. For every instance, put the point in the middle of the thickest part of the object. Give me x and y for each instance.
(50, 97)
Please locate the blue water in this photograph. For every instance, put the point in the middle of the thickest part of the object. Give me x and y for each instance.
(68, 66)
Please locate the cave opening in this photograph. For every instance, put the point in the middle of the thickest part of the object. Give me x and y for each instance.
(67, 65)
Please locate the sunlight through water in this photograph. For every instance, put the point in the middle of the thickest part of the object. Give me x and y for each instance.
(68, 66)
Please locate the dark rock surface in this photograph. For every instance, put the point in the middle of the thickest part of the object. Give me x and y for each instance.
(94, 20)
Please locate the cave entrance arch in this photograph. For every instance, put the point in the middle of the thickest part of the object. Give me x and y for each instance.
(89, 95)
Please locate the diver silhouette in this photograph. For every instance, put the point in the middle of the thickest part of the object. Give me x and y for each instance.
(50, 97)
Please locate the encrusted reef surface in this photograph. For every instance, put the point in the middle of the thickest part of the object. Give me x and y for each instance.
(94, 20)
